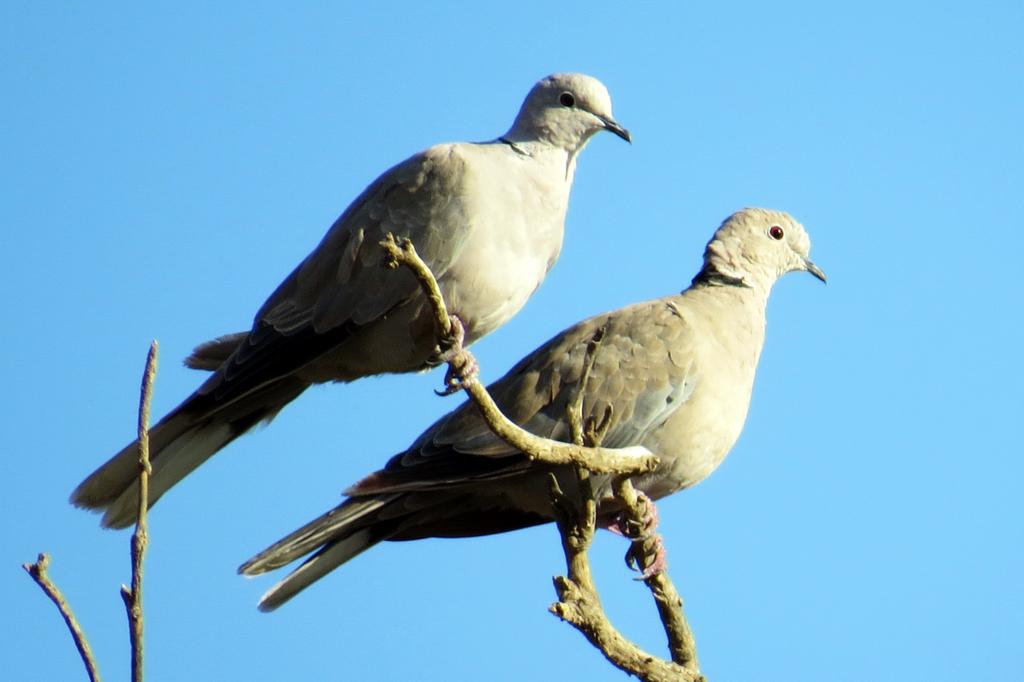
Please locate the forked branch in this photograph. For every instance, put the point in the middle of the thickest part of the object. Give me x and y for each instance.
(132, 596)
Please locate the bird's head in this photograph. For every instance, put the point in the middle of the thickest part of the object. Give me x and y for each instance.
(756, 246)
(565, 110)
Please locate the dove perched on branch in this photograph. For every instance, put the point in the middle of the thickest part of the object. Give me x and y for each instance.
(487, 218)
(674, 375)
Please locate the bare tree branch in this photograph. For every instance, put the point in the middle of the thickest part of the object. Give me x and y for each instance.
(681, 642)
(579, 603)
(636, 459)
(39, 574)
(132, 596)
(580, 607)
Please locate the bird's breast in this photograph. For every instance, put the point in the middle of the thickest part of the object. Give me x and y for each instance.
(515, 238)
(695, 440)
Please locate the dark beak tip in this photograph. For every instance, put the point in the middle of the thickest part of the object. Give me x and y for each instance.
(816, 271)
(612, 126)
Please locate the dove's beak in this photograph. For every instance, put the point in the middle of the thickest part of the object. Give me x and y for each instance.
(814, 270)
(612, 126)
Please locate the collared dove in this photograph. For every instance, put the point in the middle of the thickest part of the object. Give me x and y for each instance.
(487, 218)
(676, 373)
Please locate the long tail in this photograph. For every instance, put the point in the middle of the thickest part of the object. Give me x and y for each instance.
(179, 443)
(361, 522)
(341, 534)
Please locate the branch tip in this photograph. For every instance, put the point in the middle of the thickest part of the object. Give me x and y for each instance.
(38, 572)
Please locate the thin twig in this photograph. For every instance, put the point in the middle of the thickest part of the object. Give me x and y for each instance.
(132, 596)
(574, 410)
(635, 459)
(681, 642)
(39, 574)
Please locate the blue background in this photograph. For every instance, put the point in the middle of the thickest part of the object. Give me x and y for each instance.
(162, 169)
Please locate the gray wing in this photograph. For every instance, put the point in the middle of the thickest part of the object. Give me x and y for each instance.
(341, 285)
(640, 377)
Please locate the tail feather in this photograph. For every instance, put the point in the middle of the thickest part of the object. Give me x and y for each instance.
(103, 486)
(175, 451)
(317, 566)
(175, 462)
(339, 535)
(179, 443)
(341, 521)
(210, 356)
(361, 522)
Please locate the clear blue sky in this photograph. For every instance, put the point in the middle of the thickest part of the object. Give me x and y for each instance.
(163, 168)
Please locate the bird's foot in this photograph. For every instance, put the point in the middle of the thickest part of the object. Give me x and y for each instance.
(647, 556)
(451, 344)
(622, 524)
(462, 371)
(462, 366)
(646, 552)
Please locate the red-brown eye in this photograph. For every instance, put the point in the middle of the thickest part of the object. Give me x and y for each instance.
(776, 232)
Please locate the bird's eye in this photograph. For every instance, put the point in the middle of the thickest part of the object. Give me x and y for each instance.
(567, 100)
(775, 232)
